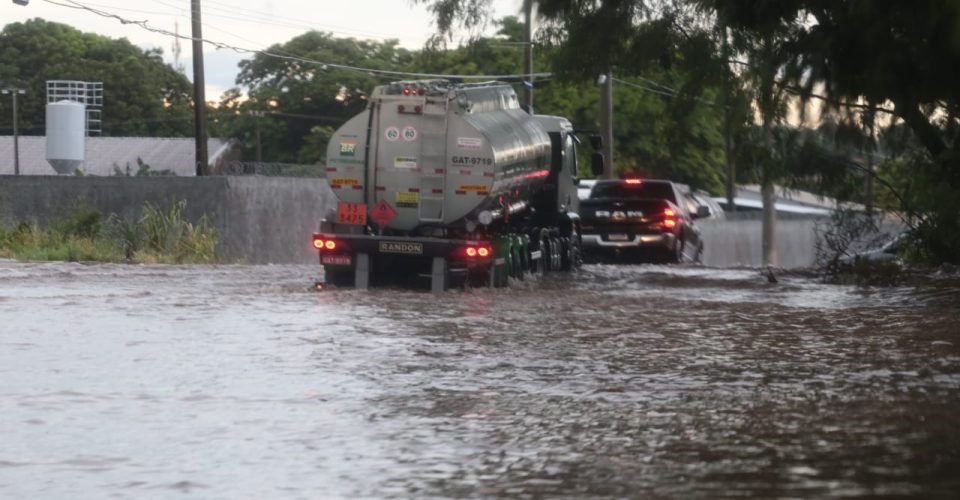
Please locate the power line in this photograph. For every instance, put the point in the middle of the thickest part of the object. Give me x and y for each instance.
(239, 14)
(324, 65)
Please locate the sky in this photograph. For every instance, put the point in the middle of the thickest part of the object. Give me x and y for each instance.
(253, 24)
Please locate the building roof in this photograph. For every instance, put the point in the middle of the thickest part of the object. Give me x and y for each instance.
(105, 154)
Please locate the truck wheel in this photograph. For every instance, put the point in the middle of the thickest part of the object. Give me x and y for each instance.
(557, 250)
(570, 258)
(516, 266)
(543, 263)
(338, 277)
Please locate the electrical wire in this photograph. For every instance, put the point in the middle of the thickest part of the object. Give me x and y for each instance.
(324, 65)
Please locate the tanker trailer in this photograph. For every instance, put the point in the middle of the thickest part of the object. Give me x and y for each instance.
(451, 183)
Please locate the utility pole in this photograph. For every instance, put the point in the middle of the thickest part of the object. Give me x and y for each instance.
(199, 96)
(606, 121)
(528, 54)
(256, 130)
(16, 132)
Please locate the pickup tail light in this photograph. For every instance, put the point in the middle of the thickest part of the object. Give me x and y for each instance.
(669, 219)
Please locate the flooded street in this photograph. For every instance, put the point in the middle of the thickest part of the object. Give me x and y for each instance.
(122, 381)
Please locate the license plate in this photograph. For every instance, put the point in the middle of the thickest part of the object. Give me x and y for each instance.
(335, 260)
(617, 237)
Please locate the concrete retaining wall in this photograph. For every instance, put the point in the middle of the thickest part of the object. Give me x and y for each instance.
(258, 219)
(734, 243)
(270, 219)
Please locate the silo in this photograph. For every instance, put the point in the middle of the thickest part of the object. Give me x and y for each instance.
(66, 123)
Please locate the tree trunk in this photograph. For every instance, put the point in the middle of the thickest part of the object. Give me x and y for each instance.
(769, 221)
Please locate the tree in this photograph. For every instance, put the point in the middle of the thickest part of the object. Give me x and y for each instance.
(292, 94)
(899, 52)
(143, 96)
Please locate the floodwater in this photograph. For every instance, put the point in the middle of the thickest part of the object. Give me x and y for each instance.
(231, 382)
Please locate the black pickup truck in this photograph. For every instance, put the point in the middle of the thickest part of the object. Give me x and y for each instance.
(641, 218)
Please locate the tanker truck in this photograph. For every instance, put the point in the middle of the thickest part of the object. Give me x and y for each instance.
(452, 184)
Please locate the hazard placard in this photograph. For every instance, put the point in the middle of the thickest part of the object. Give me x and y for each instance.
(352, 213)
(382, 213)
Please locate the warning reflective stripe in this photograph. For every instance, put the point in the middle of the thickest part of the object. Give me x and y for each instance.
(331, 169)
(466, 172)
(336, 186)
(381, 188)
(437, 191)
(357, 186)
(439, 171)
(488, 174)
(461, 192)
(414, 190)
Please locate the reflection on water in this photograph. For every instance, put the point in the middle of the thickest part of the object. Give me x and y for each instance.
(639, 381)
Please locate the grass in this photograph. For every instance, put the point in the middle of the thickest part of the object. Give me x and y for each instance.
(84, 234)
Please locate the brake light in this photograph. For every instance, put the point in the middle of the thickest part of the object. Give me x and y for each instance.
(474, 251)
(325, 244)
(632, 181)
(669, 218)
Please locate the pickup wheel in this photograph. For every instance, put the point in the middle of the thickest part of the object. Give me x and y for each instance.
(676, 256)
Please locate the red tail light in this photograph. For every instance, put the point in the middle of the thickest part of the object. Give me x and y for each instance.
(323, 243)
(669, 219)
(473, 252)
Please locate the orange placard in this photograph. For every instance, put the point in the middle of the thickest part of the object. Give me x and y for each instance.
(352, 213)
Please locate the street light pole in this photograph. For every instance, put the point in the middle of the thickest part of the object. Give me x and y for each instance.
(16, 133)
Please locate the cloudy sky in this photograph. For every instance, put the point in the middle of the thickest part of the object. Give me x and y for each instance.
(250, 24)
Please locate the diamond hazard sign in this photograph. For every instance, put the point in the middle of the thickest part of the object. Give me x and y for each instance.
(382, 213)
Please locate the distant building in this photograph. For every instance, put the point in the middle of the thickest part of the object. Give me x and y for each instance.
(106, 156)
(789, 202)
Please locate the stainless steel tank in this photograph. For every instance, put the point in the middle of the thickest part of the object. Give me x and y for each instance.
(438, 153)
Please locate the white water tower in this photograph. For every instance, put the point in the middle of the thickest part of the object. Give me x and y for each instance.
(66, 135)
(73, 112)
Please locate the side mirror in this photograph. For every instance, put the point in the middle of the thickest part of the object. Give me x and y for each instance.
(596, 164)
(596, 142)
(703, 211)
